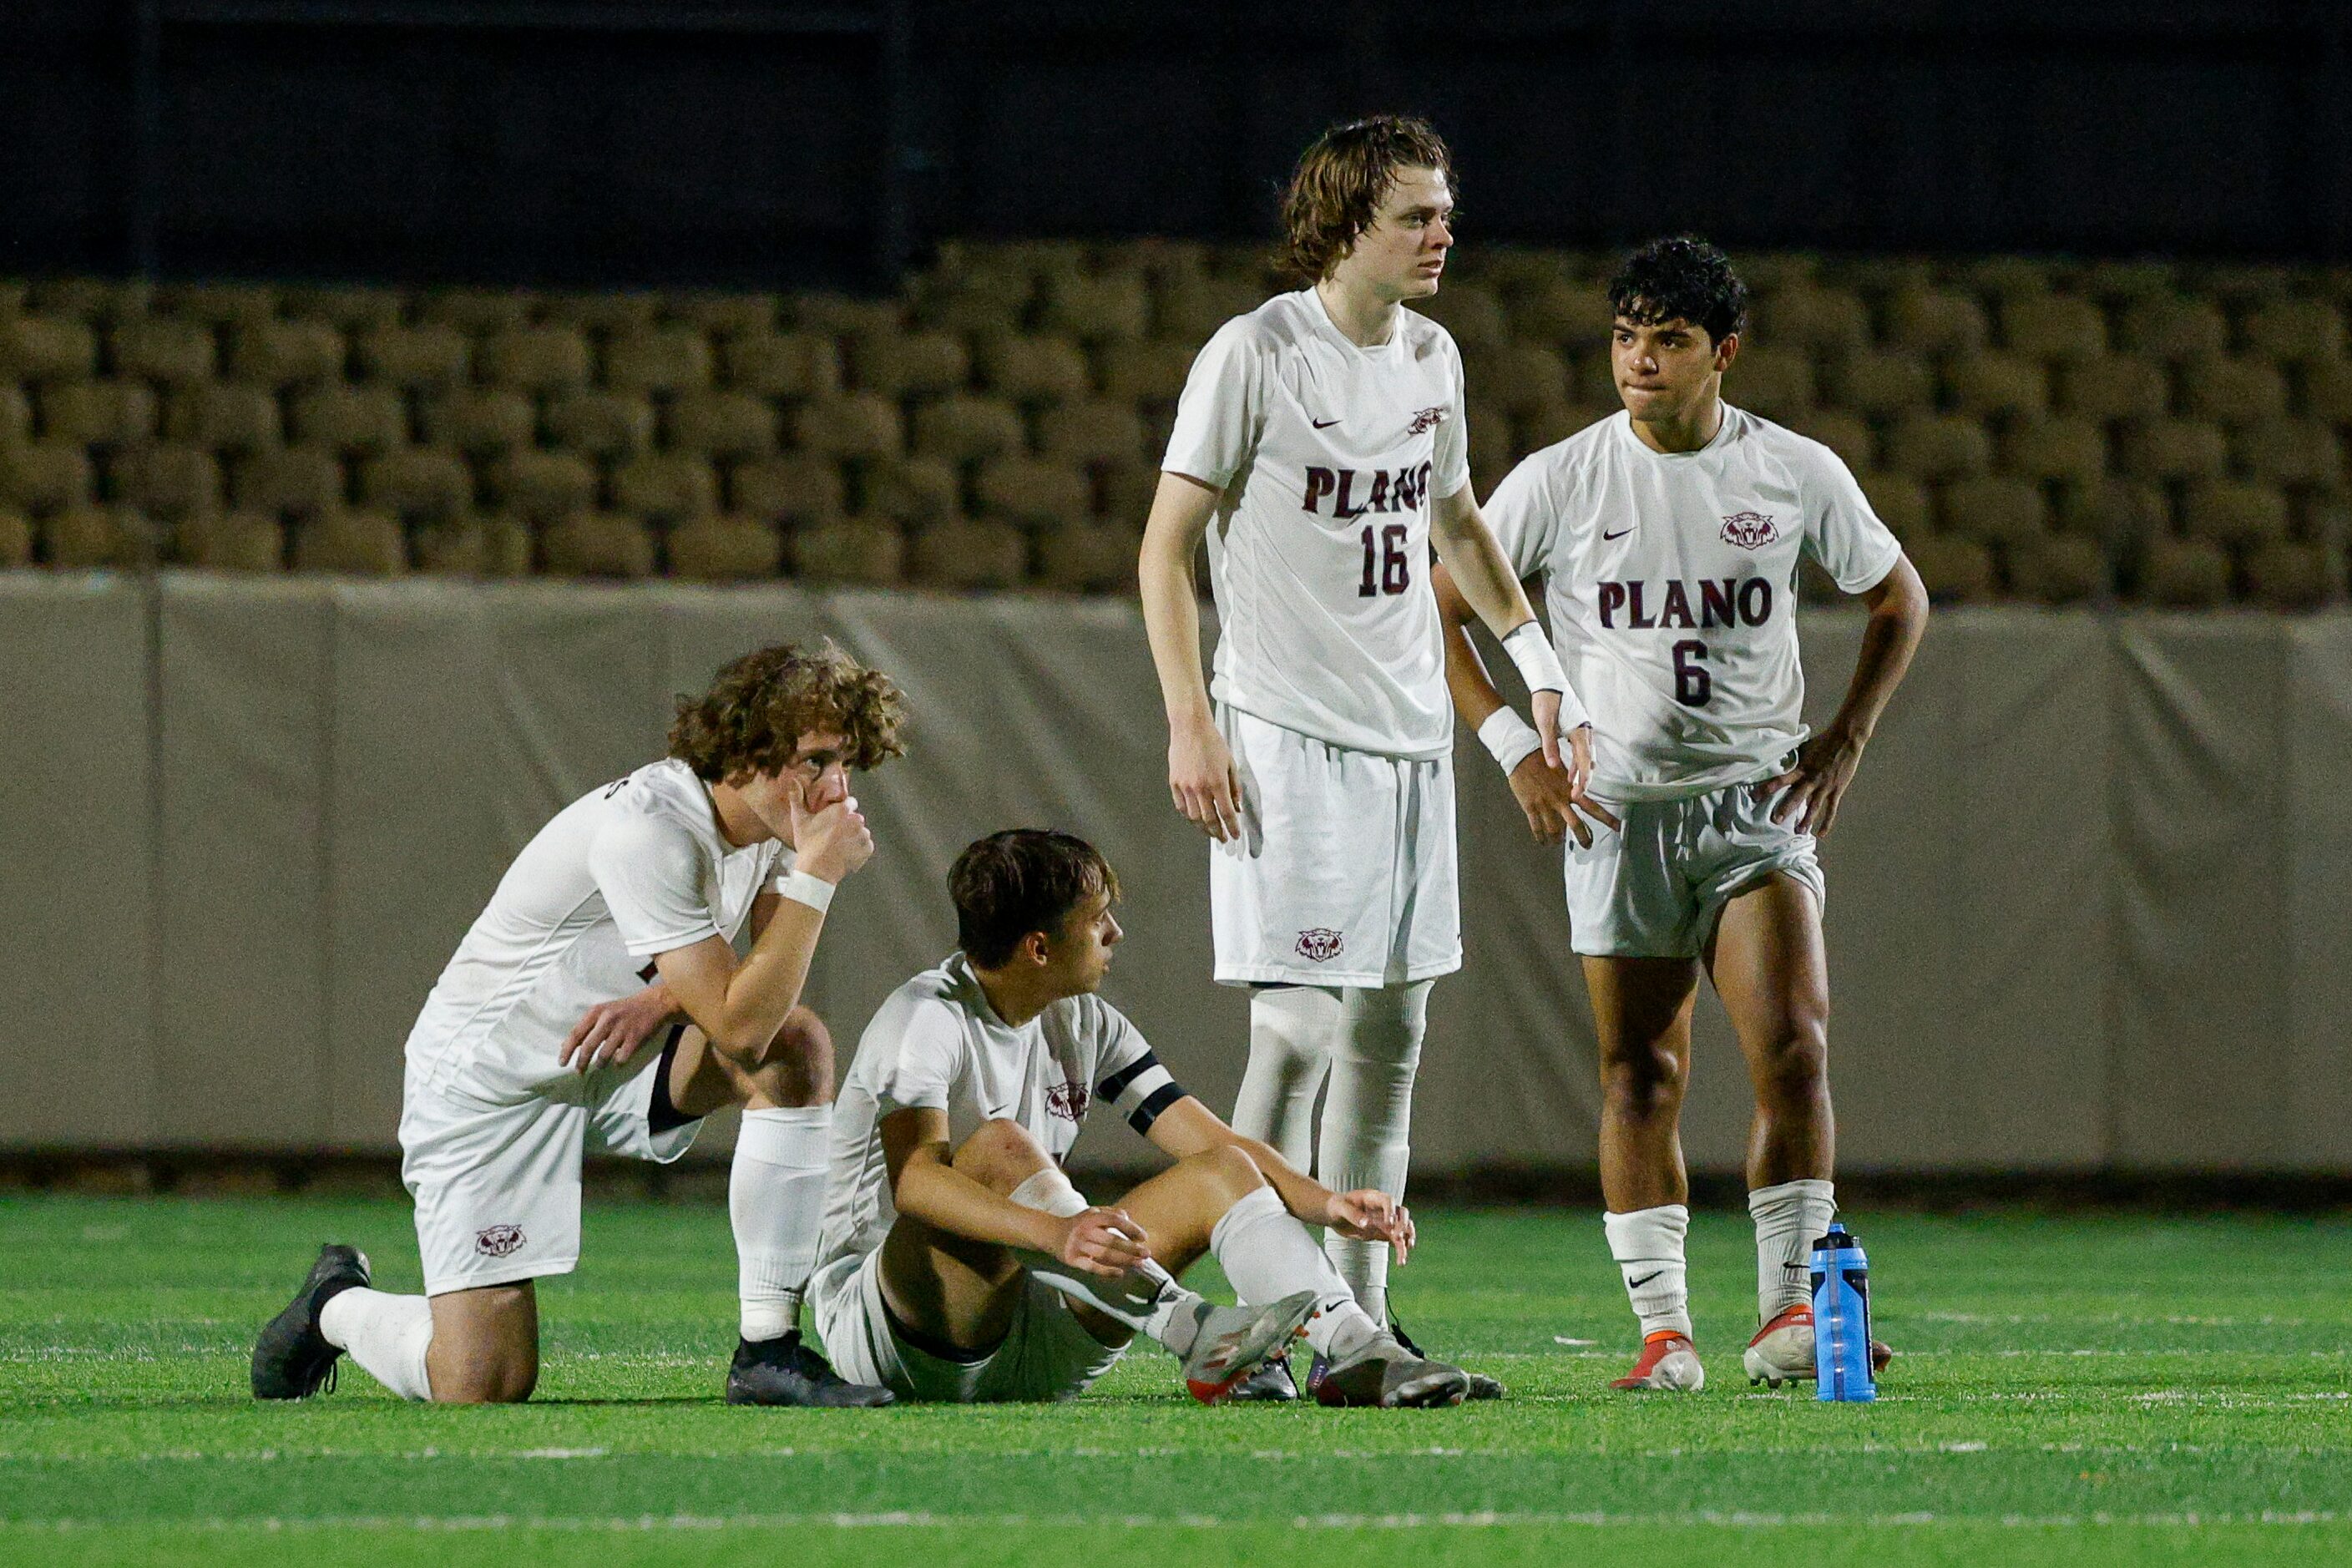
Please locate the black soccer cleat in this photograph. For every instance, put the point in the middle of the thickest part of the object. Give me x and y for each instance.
(1481, 1386)
(1271, 1384)
(786, 1371)
(292, 1359)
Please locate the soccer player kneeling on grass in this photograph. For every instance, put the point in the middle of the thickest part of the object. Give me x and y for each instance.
(526, 1056)
(960, 1264)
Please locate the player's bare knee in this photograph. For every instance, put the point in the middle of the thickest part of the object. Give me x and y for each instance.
(1644, 1085)
(1000, 1156)
(493, 1380)
(1796, 1064)
(1230, 1168)
(795, 1066)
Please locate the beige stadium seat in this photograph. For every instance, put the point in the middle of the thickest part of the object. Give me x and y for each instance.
(17, 536)
(2245, 283)
(1902, 502)
(1993, 384)
(1518, 378)
(98, 299)
(1935, 322)
(477, 544)
(666, 487)
(1955, 571)
(46, 348)
(1771, 271)
(1880, 275)
(723, 315)
(917, 365)
(1472, 315)
(416, 483)
(160, 349)
(42, 476)
(358, 544)
(2283, 575)
(100, 536)
(1032, 369)
(1160, 259)
(15, 415)
(540, 487)
(782, 364)
(2232, 392)
(2060, 328)
(2184, 574)
(973, 302)
(1152, 372)
(2161, 449)
(2229, 511)
(1550, 426)
(797, 489)
(1562, 311)
(2057, 568)
(1847, 434)
(861, 552)
(914, 491)
(1935, 446)
(2176, 327)
(2327, 392)
(1822, 322)
(348, 418)
(293, 480)
(2295, 454)
(2297, 329)
(853, 425)
(230, 542)
(353, 307)
(1776, 382)
(722, 425)
(968, 555)
(601, 310)
(480, 421)
(657, 359)
(424, 358)
(598, 423)
(2059, 447)
(478, 312)
(2119, 512)
(1190, 311)
(2120, 386)
(2003, 278)
(1109, 308)
(226, 416)
(2123, 282)
(1091, 432)
(100, 413)
(598, 544)
(1127, 489)
(1089, 558)
(1033, 493)
(1993, 510)
(170, 482)
(724, 549)
(286, 353)
(541, 360)
(216, 304)
(1879, 383)
(845, 316)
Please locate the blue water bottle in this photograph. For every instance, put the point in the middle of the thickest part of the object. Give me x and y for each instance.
(1842, 1318)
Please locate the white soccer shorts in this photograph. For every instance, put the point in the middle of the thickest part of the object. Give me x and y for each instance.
(1656, 888)
(498, 1185)
(1046, 1355)
(1344, 874)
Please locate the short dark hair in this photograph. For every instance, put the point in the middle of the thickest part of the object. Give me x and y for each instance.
(758, 707)
(1335, 193)
(1023, 880)
(1682, 279)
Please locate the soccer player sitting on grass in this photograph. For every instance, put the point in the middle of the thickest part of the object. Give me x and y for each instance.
(959, 1262)
(526, 1054)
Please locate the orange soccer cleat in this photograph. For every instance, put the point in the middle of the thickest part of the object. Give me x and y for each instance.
(1668, 1361)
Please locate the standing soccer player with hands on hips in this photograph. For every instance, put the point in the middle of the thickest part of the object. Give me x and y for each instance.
(1668, 537)
(1319, 446)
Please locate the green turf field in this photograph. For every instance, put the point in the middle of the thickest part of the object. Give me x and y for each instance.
(2077, 1390)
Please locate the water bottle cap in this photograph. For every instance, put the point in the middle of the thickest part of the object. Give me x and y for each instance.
(1839, 1240)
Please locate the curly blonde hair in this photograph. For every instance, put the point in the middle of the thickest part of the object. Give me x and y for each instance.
(752, 717)
(1335, 193)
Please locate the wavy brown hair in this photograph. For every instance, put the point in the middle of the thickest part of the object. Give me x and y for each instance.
(1022, 879)
(1335, 193)
(752, 717)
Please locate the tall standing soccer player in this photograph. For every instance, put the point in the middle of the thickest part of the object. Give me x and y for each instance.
(527, 1055)
(1319, 446)
(1668, 537)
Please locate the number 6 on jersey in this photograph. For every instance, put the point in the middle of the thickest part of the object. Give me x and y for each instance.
(1387, 568)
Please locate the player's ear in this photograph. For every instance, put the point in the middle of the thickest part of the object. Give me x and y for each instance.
(1037, 948)
(1726, 349)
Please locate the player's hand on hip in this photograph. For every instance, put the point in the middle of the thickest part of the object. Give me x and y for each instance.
(832, 843)
(1370, 1214)
(1102, 1241)
(1808, 792)
(610, 1033)
(1204, 781)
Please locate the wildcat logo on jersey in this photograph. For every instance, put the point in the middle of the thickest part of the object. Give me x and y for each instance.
(1401, 491)
(1067, 1100)
(498, 1240)
(1321, 945)
(1749, 530)
(1427, 419)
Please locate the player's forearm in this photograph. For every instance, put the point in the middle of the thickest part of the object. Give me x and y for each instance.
(1475, 697)
(946, 1199)
(767, 985)
(1172, 619)
(1897, 621)
(1481, 573)
(1302, 1195)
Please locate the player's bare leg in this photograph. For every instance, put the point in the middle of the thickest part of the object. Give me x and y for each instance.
(485, 1347)
(1642, 1015)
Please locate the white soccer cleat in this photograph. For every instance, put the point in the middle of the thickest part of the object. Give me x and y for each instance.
(1669, 1361)
(1783, 1349)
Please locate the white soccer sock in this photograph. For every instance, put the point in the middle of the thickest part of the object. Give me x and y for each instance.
(1648, 1246)
(386, 1334)
(775, 1198)
(1367, 1119)
(1291, 1031)
(1268, 1255)
(1789, 1218)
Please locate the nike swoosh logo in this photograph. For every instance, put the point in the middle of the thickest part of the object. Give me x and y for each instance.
(1645, 1278)
(1619, 534)
(1324, 424)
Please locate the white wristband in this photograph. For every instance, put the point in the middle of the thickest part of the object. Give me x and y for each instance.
(1539, 667)
(804, 888)
(1511, 739)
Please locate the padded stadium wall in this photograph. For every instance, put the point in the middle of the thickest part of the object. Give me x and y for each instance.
(2087, 908)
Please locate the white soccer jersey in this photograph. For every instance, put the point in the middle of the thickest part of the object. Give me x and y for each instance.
(937, 1044)
(1327, 455)
(632, 869)
(1671, 578)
